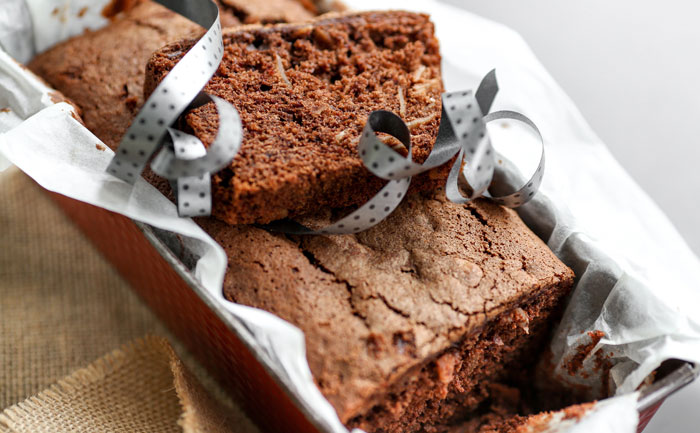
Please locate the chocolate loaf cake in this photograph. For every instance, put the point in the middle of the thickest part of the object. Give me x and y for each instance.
(304, 92)
(103, 71)
(408, 325)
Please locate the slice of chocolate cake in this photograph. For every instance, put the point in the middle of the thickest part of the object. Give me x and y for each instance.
(304, 92)
(410, 324)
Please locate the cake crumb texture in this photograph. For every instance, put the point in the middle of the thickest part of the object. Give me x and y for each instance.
(304, 92)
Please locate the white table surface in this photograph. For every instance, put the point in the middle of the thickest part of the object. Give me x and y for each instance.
(633, 69)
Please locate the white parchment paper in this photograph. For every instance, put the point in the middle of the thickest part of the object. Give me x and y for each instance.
(636, 274)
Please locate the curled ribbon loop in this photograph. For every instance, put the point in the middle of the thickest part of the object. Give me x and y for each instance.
(462, 134)
(190, 163)
(173, 164)
(524, 194)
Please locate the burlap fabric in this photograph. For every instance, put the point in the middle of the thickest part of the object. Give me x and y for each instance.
(61, 308)
(142, 387)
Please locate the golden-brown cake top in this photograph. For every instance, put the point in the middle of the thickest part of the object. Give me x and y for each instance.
(379, 303)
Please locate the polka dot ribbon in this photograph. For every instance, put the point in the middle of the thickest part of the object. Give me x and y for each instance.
(181, 157)
(462, 134)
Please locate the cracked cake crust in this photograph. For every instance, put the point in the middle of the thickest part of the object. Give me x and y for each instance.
(379, 307)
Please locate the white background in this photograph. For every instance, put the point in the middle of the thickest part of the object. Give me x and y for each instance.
(633, 69)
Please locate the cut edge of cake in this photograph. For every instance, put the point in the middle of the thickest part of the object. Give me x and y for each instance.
(304, 92)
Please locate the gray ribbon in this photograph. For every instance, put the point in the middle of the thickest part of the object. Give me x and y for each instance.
(193, 192)
(192, 166)
(462, 133)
